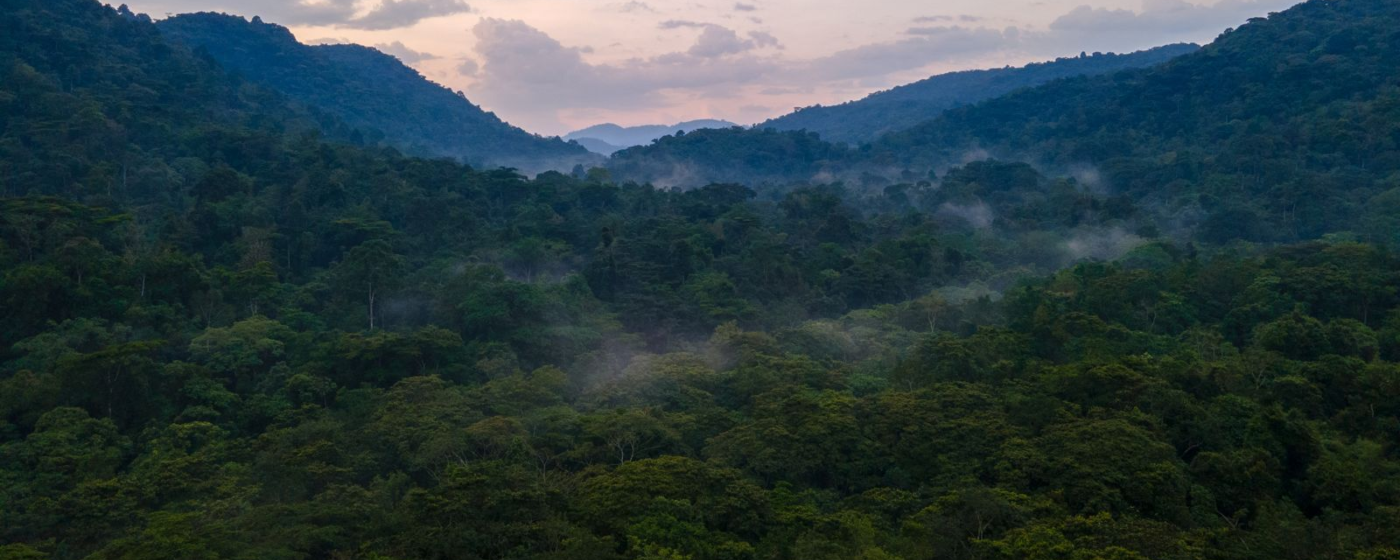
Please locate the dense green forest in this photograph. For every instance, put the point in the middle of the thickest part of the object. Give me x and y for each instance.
(238, 327)
(755, 156)
(371, 91)
(896, 109)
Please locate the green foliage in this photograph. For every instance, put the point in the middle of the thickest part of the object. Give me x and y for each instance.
(382, 98)
(228, 338)
(1282, 130)
(731, 155)
(1290, 108)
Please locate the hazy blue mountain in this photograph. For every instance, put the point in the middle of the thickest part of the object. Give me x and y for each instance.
(598, 146)
(608, 138)
(372, 91)
(904, 106)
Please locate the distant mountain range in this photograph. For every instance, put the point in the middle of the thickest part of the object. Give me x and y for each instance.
(389, 103)
(814, 142)
(904, 106)
(609, 138)
(1283, 129)
(386, 100)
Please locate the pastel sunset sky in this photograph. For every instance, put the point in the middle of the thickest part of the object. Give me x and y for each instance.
(552, 66)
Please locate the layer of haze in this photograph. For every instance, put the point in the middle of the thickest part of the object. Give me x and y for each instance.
(552, 66)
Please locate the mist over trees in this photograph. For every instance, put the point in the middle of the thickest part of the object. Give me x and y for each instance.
(240, 325)
(607, 139)
(1282, 130)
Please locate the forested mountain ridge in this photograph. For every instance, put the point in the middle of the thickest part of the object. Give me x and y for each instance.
(372, 91)
(730, 155)
(864, 120)
(610, 138)
(103, 107)
(1283, 129)
(230, 336)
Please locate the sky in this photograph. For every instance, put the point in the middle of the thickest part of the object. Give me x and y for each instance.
(553, 66)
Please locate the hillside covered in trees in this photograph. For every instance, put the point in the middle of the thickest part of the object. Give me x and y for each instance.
(730, 155)
(235, 329)
(608, 139)
(864, 120)
(377, 94)
(1285, 129)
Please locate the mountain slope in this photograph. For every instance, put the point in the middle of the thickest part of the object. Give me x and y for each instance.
(598, 146)
(122, 105)
(892, 110)
(1283, 129)
(609, 138)
(730, 155)
(373, 91)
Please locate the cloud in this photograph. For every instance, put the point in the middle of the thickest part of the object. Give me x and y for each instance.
(765, 39)
(717, 41)
(634, 7)
(930, 45)
(406, 55)
(1159, 21)
(351, 14)
(802, 90)
(681, 23)
(310, 13)
(293, 12)
(394, 14)
(965, 18)
(1083, 28)
(742, 7)
(468, 68)
(534, 79)
(526, 70)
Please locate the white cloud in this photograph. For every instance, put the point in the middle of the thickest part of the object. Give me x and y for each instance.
(716, 41)
(525, 70)
(406, 55)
